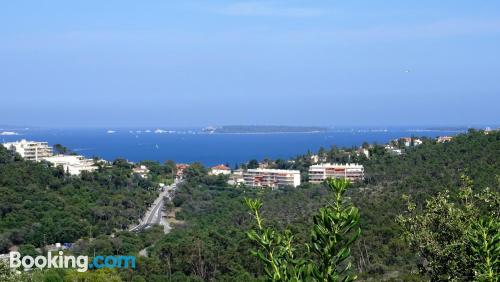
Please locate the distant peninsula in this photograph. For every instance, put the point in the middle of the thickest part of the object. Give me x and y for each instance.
(263, 129)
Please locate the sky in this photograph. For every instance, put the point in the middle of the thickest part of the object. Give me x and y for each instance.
(125, 63)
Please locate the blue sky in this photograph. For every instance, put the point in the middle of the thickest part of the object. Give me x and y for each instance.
(190, 63)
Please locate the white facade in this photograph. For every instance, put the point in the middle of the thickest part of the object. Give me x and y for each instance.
(443, 139)
(30, 150)
(272, 178)
(314, 158)
(406, 141)
(393, 150)
(363, 151)
(142, 171)
(74, 165)
(319, 173)
(220, 169)
(236, 178)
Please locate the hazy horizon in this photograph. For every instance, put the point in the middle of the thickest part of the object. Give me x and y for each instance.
(197, 63)
(152, 127)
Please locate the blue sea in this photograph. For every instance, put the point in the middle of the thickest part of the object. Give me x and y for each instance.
(192, 145)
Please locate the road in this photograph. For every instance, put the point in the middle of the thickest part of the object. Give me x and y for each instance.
(154, 215)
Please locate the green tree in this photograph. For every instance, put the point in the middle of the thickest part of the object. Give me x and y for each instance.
(60, 149)
(101, 275)
(28, 250)
(253, 164)
(195, 172)
(170, 168)
(335, 230)
(484, 238)
(9, 275)
(326, 259)
(457, 239)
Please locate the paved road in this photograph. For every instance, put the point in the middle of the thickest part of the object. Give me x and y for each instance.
(154, 215)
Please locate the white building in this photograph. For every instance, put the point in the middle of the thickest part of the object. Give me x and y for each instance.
(30, 150)
(141, 170)
(314, 159)
(263, 177)
(74, 165)
(409, 141)
(319, 173)
(363, 151)
(180, 168)
(392, 150)
(236, 178)
(443, 139)
(406, 141)
(220, 169)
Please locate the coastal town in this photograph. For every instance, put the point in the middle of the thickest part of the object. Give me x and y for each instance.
(260, 175)
(160, 201)
(249, 140)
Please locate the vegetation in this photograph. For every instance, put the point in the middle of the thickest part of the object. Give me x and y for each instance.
(60, 149)
(334, 231)
(160, 173)
(457, 240)
(209, 240)
(42, 205)
(9, 275)
(214, 218)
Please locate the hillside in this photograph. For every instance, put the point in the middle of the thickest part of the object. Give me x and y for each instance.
(212, 243)
(209, 242)
(42, 205)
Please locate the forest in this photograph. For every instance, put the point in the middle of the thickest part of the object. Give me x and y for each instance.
(216, 220)
(43, 205)
(210, 242)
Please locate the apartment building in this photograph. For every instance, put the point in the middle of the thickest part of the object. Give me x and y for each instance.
(272, 178)
(74, 165)
(318, 173)
(30, 150)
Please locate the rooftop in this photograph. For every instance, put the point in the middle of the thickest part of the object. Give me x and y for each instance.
(221, 167)
(269, 170)
(323, 165)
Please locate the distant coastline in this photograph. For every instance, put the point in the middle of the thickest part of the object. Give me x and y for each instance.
(188, 145)
(263, 129)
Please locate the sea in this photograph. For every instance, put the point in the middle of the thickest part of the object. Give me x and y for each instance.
(188, 145)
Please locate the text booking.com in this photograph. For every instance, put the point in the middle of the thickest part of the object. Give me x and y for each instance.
(81, 263)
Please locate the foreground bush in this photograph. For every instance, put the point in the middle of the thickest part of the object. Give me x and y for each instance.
(334, 231)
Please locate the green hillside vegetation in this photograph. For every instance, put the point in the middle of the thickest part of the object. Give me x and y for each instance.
(210, 242)
(212, 245)
(42, 205)
(326, 257)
